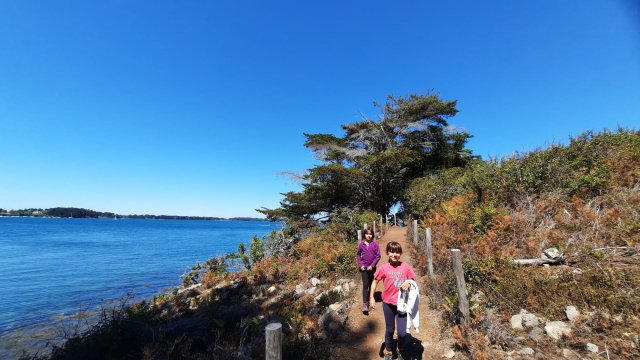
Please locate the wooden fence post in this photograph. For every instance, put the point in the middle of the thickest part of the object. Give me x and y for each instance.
(463, 304)
(395, 220)
(415, 231)
(381, 226)
(359, 235)
(429, 251)
(374, 228)
(273, 336)
(365, 227)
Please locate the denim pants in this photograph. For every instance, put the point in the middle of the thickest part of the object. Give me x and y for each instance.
(391, 317)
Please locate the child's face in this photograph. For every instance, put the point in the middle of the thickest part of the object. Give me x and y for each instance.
(368, 236)
(394, 256)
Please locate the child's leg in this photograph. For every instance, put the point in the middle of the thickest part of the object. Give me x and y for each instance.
(366, 285)
(402, 330)
(390, 312)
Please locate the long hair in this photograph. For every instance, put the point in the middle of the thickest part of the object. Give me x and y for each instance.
(368, 231)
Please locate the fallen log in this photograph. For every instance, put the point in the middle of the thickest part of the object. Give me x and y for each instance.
(540, 261)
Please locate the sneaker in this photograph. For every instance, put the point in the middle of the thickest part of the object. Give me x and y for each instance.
(365, 308)
(388, 356)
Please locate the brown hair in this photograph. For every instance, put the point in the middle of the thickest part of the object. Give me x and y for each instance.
(368, 231)
(394, 246)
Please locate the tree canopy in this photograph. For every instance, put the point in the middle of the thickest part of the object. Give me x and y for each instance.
(369, 166)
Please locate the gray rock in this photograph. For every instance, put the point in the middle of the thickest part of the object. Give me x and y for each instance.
(328, 317)
(572, 313)
(592, 347)
(315, 281)
(526, 351)
(336, 306)
(300, 289)
(311, 290)
(272, 289)
(479, 298)
(449, 354)
(536, 334)
(530, 320)
(551, 253)
(557, 329)
(570, 354)
(516, 322)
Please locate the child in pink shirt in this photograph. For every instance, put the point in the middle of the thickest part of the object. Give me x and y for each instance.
(393, 275)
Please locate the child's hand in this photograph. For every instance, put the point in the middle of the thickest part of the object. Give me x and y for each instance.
(405, 286)
(372, 303)
(369, 268)
(362, 268)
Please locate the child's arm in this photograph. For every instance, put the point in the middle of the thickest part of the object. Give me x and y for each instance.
(372, 300)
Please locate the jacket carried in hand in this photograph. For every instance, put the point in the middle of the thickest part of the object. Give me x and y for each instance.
(409, 303)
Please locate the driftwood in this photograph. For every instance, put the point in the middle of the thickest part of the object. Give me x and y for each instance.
(538, 261)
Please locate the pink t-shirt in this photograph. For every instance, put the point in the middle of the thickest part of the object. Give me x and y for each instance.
(393, 277)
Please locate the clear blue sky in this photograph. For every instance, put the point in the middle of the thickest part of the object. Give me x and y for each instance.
(195, 107)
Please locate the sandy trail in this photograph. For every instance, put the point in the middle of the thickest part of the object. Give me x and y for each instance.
(367, 340)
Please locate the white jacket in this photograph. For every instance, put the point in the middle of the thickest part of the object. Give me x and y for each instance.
(409, 303)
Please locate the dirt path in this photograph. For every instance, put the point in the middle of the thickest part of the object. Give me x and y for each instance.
(368, 330)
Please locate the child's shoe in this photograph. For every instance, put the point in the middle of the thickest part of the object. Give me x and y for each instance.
(388, 355)
(365, 308)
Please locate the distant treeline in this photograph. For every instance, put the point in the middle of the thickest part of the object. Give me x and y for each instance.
(70, 212)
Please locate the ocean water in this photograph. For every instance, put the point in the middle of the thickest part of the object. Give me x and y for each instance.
(51, 269)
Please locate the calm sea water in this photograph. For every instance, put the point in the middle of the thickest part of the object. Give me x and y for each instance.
(51, 268)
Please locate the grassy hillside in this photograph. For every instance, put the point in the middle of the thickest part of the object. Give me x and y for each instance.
(582, 199)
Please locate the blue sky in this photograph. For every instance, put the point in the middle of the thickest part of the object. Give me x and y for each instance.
(196, 107)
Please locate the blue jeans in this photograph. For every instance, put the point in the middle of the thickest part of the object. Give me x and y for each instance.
(391, 317)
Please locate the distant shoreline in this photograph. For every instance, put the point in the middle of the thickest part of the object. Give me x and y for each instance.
(139, 217)
(78, 213)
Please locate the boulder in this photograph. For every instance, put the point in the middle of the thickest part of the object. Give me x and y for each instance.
(536, 334)
(328, 317)
(516, 322)
(311, 290)
(592, 347)
(300, 289)
(336, 306)
(572, 313)
(570, 354)
(557, 329)
(315, 281)
(551, 253)
(449, 354)
(529, 320)
(526, 351)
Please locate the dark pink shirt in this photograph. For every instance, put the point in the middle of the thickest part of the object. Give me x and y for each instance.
(392, 278)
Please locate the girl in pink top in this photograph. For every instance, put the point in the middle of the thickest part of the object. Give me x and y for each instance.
(393, 275)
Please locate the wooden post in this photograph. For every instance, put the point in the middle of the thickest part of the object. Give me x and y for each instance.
(359, 235)
(374, 227)
(395, 220)
(381, 226)
(273, 336)
(415, 231)
(429, 251)
(463, 304)
(365, 226)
